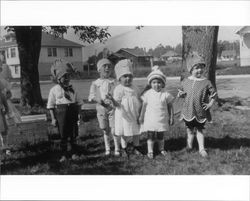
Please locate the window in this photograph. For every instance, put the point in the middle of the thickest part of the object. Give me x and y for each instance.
(12, 52)
(16, 69)
(52, 52)
(68, 52)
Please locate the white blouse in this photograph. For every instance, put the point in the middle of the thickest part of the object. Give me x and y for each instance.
(56, 97)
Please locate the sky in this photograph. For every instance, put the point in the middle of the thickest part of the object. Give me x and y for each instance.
(147, 37)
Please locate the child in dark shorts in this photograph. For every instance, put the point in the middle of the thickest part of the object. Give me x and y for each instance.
(199, 95)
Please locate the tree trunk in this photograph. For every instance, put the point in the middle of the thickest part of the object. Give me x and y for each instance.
(29, 46)
(202, 39)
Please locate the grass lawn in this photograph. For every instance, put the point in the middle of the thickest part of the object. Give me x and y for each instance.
(227, 140)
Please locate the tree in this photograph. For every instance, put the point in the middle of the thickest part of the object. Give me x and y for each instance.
(29, 45)
(202, 39)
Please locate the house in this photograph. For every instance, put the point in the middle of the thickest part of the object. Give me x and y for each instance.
(51, 48)
(244, 34)
(171, 56)
(138, 56)
(228, 55)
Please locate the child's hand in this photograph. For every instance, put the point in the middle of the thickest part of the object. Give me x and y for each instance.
(53, 122)
(171, 121)
(181, 94)
(140, 119)
(206, 106)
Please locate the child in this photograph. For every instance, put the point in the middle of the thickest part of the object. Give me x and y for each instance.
(128, 105)
(199, 96)
(99, 89)
(157, 111)
(64, 105)
(3, 124)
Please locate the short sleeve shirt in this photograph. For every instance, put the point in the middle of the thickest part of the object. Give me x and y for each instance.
(56, 97)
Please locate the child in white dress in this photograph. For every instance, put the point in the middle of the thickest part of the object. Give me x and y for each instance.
(157, 111)
(128, 105)
(199, 96)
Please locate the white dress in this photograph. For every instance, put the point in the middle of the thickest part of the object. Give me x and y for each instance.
(127, 114)
(156, 115)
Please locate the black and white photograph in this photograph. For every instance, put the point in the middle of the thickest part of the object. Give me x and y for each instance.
(94, 100)
(122, 100)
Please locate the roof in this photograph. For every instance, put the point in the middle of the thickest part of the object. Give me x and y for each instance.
(243, 30)
(47, 40)
(51, 40)
(228, 53)
(170, 53)
(135, 51)
(4, 44)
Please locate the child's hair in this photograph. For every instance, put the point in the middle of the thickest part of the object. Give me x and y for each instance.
(193, 59)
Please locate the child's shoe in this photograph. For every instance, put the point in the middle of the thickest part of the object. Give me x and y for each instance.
(137, 152)
(125, 152)
(203, 153)
(117, 153)
(8, 152)
(150, 155)
(63, 159)
(75, 157)
(107, 153)
(188, 149)
(164, 153)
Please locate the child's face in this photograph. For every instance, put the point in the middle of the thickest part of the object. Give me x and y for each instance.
(198, 70)
(157, 85)
(126, 80)
(65, 79)
(106, 71)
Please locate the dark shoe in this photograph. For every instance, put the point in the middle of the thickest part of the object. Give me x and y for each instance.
(150, 155)
(189, 149)
(125, 153)
(137, 152)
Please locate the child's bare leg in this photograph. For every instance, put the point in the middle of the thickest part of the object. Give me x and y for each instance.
(161, 143)
(190, 138)
(123, 142)
(200, 139)
(150, 143)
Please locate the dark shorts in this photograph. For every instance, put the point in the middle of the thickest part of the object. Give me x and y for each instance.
(194, 124)
(67, 117)
(153, 135)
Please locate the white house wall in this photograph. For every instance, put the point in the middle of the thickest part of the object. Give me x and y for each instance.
(45, 61)
(13, 60)
(245, 50)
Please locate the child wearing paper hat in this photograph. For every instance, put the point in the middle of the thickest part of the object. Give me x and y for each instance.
(64, 105)
(157, 112)
(127, 101)
(199, 95)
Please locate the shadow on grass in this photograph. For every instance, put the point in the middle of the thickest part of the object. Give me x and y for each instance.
(227, 143)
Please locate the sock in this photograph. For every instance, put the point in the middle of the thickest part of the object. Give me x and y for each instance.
(200, 139)
(150, 144)
(116, 143)
(106, 142)
(123, 142)
(190, 138)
